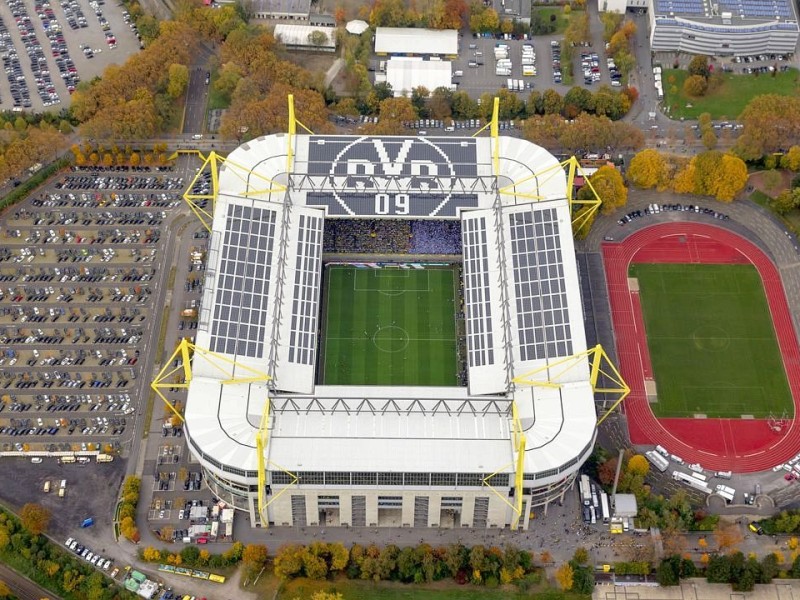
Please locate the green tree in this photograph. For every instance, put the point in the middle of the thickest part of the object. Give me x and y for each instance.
(581, 555)
(318, 38)
(667, 573)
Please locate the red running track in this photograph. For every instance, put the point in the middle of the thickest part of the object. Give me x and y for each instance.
(739, 445)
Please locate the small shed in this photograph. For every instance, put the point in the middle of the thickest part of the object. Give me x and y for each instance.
(625, 506)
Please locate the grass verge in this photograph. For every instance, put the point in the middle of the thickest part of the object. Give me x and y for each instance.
(24, 189)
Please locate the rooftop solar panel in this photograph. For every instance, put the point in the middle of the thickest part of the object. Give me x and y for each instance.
(540, 288)
(392, 176)
(477, 289)
(240, 307)
(303, 336)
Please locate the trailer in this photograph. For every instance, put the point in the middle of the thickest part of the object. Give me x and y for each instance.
(691, 482)
(605, 507)
(657, 460)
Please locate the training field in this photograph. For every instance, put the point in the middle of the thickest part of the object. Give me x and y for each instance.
(389, 327)
(711, 341)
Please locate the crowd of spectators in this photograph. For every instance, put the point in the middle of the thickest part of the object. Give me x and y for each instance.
(392, 236)
(435, 237)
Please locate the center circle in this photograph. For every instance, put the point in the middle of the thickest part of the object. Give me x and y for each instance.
(711, 338)
(390, 339)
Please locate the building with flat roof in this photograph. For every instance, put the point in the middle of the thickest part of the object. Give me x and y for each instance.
(724, 28)
(280, 9)
(306, 37)
(410, 41)
(484, 453)
(404, 73)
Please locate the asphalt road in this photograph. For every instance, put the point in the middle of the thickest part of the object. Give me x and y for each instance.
(197, 92)
(22, 587)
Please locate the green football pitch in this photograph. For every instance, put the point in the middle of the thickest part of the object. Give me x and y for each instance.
(389, 327)
(712, 342)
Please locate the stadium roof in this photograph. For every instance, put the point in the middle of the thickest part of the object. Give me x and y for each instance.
(261, 303)
(404, 73)
(410, 40)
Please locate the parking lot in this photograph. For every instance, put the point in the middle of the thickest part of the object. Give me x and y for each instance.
(481, 78)
(47, 48)
(79, 266)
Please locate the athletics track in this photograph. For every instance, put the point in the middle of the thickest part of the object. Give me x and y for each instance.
(741, 445)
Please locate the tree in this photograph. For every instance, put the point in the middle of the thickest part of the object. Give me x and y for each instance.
(784, 203)
(709, 139)
(698, 66)
(318, 38)
(288, 562)
(638, 464)
(565, 577)
(581, 555)
(791, 159)
(649, 169)
(151, 554)
(4, 590)
(668, 573)
(178, 80)
(35, 518)
(771, 122)
(728, 535)
(695, 86)
(254, 557)
(610, 187)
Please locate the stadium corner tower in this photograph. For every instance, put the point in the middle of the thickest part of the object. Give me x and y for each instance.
(289, 450)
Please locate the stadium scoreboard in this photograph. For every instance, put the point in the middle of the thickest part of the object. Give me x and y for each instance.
(395, 176)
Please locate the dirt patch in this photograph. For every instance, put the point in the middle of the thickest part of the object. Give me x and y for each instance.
(772, 182)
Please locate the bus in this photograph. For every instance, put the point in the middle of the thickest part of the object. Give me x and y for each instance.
(691, 482)
(605, 507)
(657, 460)
(586, 490)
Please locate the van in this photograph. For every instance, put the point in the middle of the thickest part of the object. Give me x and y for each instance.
(197, 136)
(458, 73)
(61, 492)
(46, 488)
(63, 484)
(67, 459)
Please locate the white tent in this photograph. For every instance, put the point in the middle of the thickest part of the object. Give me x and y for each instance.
(406, 73)
(356, 27)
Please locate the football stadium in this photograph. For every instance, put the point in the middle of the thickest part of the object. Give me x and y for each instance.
(391, 333)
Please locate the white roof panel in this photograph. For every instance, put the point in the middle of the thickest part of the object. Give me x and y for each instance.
(405, 74)
(410, 40)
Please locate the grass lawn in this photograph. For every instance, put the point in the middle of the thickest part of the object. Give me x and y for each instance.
(730, 98)
(389, 327)
(562, 20)
(386, 590)
(712, 342)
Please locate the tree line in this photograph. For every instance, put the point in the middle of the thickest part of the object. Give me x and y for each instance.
(26, 550)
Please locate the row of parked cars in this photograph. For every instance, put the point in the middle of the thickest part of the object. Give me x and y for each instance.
(86, 554)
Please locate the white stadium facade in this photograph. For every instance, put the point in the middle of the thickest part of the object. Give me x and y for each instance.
(485, 454)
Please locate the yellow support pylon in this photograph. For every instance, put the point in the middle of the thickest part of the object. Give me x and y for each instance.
(573, 166)
(494, 129)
